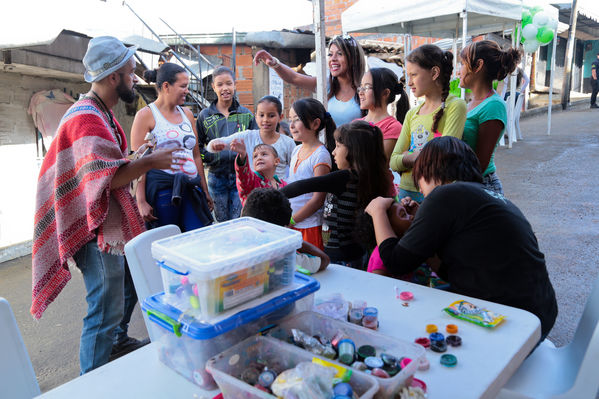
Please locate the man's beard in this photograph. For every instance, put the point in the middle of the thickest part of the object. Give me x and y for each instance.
(125, 94)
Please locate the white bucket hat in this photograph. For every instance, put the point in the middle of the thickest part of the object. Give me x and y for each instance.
(105, 54)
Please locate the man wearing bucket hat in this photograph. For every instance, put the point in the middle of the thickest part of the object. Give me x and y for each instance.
(84, 211)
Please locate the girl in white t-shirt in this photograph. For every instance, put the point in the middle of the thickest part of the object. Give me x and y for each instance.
(269, 111)
(309, 159)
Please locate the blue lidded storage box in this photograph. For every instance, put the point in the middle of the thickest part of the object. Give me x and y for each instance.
(185, 343)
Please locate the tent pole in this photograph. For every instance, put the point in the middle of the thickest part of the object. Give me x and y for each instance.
(554, 48)
(464, 31)
(319, 37)
(512, 100)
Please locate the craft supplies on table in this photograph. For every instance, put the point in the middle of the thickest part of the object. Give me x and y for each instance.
(211, 270)
(232, 368)
(186, 343)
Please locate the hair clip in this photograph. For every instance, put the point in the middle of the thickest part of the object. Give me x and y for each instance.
(371, 124)
(443, 105)
(327, 115)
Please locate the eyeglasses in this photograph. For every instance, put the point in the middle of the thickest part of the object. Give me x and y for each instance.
(364, 88)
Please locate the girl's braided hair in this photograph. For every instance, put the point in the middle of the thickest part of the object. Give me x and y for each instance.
(429, 56)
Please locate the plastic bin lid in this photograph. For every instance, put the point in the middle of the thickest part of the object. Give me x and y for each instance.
(237, 243)
(173, 319)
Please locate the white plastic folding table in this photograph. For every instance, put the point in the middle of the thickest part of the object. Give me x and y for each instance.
(486, 359)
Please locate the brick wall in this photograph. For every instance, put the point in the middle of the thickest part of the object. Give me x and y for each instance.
(251, 82)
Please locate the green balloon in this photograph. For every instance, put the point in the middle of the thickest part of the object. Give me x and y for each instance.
(535, 10)
(526, 18)
(545, 35)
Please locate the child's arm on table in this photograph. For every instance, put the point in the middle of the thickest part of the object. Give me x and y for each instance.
(313, 250)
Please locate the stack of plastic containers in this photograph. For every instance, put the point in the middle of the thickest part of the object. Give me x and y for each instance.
(222, 284)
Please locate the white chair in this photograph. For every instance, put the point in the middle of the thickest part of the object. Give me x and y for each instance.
(517, 112)
(146, 275)
(17, 377)
(569, 372)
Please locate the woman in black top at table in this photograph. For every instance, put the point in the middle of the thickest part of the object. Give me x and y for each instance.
(361, 160)
(485, 245)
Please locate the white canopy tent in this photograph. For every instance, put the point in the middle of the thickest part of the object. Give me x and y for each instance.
(435, 18)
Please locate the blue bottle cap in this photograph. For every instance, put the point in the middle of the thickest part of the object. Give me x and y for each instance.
(371, 311)
(436, 336)
(343, 389)
(266, 378)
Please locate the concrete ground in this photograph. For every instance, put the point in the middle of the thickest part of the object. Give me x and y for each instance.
(553, 179)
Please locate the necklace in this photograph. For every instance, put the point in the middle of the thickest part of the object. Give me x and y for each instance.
(98, 100)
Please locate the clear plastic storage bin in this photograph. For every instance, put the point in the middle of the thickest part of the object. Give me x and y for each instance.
(227, 367)
(313, 323)
(213, 269)
(185, 344)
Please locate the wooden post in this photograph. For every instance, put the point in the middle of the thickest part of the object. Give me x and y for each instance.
(569, 55)
(320, 45)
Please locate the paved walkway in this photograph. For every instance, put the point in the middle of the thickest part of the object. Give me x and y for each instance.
(553, 179)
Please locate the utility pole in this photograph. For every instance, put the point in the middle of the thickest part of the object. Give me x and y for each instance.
(569, 55)
(320, 45)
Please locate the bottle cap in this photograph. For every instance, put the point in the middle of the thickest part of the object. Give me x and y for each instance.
(424, 341)
(423, 364)
(266, 378)
(416, 383)
(359, 366)
(436, 337)
(454, 340)
(404, 362)
(431, 328)
(448, 360)
(389, 360)
(373, 362)
(438, 346)
(406, 296)
(343, 389)
(365, 351)
(380, 373)
(370, 311)
(451, 328)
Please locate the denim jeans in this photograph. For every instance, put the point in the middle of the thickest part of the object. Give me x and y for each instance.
(120, 332)
(492, 183)
(182, 215)
(223, 190)
(103, 275)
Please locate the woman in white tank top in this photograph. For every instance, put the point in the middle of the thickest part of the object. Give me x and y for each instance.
(178, 195)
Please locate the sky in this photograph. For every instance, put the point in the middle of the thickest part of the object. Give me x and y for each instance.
(185, 16)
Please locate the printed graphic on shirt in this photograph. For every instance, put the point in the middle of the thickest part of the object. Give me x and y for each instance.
(171, 140)
(420, 137)
(496, 195)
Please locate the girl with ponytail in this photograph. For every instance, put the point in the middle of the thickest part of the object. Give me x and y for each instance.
(361, 161)
(441, 114)
(378, 89)
(307, 118)
(482, 63)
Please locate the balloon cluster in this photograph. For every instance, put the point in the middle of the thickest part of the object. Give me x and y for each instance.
(538, 28)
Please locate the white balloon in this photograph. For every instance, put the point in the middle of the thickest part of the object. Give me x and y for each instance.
(552, 24)
(540, 19)
(529, 32)
(530, 46)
